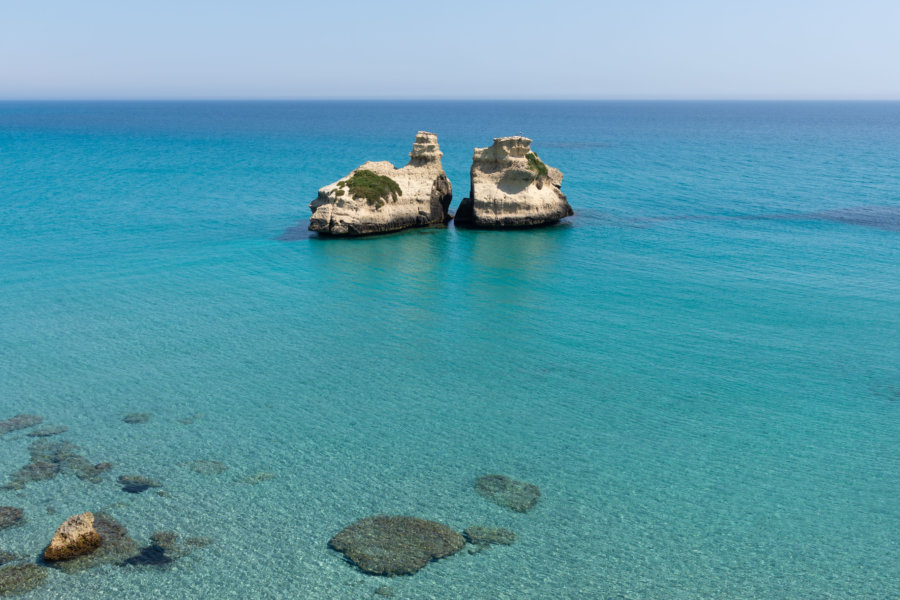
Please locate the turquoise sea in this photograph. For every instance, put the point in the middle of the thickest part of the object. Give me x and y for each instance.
(700, 369)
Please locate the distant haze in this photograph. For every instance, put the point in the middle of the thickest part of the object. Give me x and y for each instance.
(643, 49)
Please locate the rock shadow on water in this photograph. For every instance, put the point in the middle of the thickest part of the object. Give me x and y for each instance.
(135, 484)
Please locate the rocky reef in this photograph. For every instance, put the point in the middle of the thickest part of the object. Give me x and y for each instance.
(379, 198)
(387, 545)
(512, 187)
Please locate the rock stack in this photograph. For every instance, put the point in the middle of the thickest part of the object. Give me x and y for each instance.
(379, 198)
(512, 187)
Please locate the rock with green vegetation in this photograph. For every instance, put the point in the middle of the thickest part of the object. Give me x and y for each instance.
(512, 187)
(386, 545)
(519, 496)
(379, 198)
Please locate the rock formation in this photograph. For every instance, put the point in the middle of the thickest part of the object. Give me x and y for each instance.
(519, 496)
(511, 187)
(384, 545)
(378, 198)
(76, 536)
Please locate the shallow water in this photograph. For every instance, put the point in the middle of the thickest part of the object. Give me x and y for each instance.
(701, 369)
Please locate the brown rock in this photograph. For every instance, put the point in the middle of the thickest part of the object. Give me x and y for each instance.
(386, 545)
(76, 536)
(115, 546)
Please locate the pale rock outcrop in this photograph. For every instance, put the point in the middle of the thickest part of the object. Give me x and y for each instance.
(76, 536)
(418, 197)
(511, 187)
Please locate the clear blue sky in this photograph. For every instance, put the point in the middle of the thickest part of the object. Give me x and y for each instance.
(794, 49)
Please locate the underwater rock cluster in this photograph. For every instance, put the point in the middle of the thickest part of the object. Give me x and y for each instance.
(49, 459)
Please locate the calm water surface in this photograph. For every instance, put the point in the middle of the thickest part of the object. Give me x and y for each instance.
(701, 369)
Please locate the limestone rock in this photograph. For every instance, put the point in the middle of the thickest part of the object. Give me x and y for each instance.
(417, 195)
(76, 536)
(386, 545)
(511, 187)
(519, 496)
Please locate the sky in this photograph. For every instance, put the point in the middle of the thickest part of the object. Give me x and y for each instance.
(460, 49)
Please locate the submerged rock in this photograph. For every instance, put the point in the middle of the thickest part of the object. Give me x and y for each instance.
(512, 187)
(385, 591)
(207, 467)
(48, 431)
(19, 422)
(135, 484)
(136, 418)
(256, 478)
(75, 537)
(48, 459)
(20, 579)
(489, 535)
(10, 516)
(386, 545)
(378, 197)
(519, 496)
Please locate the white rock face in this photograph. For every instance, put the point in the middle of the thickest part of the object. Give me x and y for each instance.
(511, 187)
(425, 194)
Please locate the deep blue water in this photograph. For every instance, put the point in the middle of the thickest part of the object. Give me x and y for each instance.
(700, 369)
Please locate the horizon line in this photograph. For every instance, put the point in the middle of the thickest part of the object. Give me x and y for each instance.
(426, 99)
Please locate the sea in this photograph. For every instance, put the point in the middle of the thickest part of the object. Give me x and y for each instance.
(700, 370)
